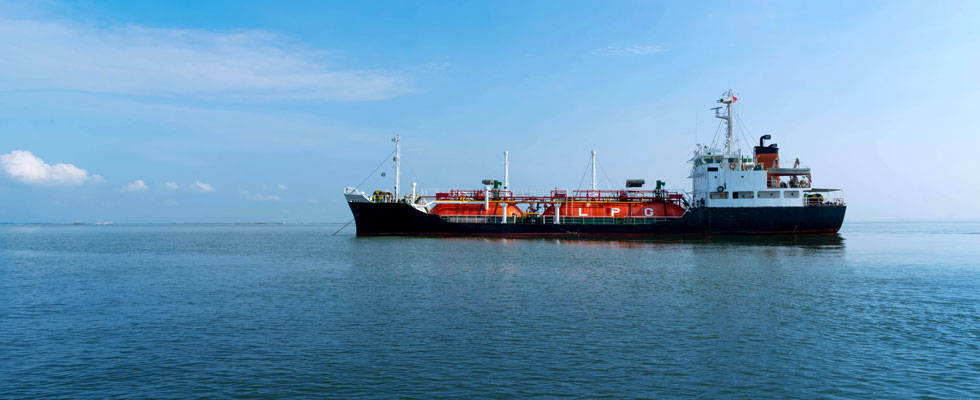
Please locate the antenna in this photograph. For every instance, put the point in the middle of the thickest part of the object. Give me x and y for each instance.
(506, 170)
(594, 183)
(398, 163)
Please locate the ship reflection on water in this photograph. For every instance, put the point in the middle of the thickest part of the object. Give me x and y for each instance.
(823, 241)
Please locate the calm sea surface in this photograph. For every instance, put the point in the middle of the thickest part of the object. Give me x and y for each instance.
(885, 310)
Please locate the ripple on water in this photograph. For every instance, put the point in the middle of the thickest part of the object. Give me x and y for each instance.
(277, 311)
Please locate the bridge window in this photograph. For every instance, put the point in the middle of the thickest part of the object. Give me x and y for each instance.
(791, 194)
(769, 194)
(719, 195)
(743, 195)
(710, 169)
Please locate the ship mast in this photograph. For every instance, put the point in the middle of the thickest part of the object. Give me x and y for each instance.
(506, 170)
(594, 183)
(398, 163)
(727, 99)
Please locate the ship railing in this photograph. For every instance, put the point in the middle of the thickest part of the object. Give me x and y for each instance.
(837, 201)
(555, 195)
(545, 220)
(433, 192)
(824, 197)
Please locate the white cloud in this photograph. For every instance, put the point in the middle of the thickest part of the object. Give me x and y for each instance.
(282, 187)
(170, 185)
(27, 168)
(202, 187)
(131, 59)
(635, 50)
(136, 186)
(260, 196)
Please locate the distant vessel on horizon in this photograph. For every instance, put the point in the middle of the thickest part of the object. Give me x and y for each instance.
(732, 193)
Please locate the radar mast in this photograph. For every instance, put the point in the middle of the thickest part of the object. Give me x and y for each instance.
(728, 98)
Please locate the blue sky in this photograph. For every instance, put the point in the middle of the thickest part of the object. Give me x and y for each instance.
(264, 111)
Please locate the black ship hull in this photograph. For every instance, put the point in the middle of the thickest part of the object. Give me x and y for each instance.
(400, 219)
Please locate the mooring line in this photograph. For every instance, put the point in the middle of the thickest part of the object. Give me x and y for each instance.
(342, 228)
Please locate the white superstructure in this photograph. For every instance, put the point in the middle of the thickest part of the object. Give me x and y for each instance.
(728, 178)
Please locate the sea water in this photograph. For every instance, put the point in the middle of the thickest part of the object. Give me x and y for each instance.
(884, 310)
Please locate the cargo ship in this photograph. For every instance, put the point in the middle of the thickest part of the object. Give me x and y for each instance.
(731, 194)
